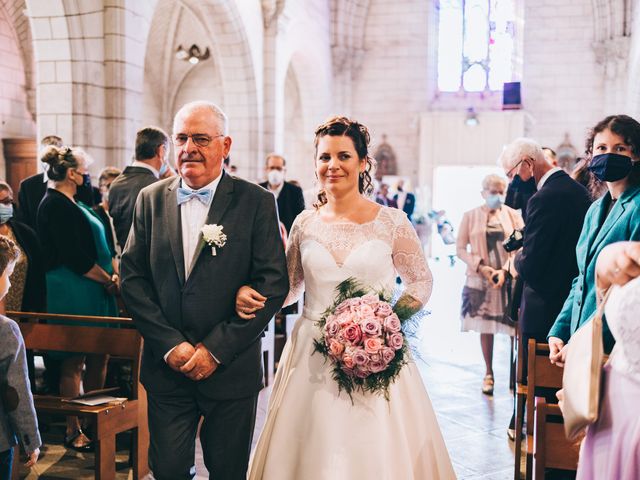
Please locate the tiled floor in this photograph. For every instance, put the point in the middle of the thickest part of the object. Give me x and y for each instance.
(473, 425)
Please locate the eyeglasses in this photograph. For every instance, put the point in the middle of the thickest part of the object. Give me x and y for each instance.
(510, 172)
(200, 139)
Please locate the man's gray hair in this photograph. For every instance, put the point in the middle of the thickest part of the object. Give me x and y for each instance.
(519, 148)
(204, 105)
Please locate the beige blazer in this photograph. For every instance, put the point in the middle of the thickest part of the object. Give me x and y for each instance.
(473, 232)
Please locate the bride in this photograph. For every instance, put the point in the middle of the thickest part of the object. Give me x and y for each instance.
(313, 431)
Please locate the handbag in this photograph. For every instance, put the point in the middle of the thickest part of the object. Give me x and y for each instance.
(582, 375)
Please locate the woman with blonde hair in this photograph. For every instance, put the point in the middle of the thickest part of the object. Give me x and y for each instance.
(485, 296)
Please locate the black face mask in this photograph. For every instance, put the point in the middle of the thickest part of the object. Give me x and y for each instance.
(610, 167)
(520, 186)
(86, 180)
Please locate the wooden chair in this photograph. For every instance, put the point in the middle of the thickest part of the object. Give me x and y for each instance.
(551, 449)
(109, 419)
(268, 352)
(520, 400)
(541, 373)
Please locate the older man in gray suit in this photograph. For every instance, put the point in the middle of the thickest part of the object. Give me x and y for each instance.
(199, 358)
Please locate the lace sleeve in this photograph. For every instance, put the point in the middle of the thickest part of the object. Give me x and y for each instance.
(409, 260)
(294, 263)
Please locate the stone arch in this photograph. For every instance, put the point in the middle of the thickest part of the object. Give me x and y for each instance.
(224, 33)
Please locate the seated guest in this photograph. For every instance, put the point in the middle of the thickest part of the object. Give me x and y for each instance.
(80, 273)
(18, 421)
(150, 164)
(613, 149)
(28, 286)
(611, 448)
(485, 297)
(107, 176)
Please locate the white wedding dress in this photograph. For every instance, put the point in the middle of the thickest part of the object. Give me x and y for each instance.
(313, 432)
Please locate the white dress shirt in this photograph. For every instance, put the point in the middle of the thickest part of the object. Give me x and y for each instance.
(276, 191)
(546, 176)
(194, 215)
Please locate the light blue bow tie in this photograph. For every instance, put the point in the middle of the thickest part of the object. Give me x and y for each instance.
(185, 194)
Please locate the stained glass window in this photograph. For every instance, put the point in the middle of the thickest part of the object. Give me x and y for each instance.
(475, 44)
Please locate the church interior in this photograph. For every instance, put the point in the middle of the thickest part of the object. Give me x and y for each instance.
(443, 87)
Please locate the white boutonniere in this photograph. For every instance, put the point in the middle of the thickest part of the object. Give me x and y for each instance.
(213, 235)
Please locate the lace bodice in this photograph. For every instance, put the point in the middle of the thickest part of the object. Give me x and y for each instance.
(321, 255)
(624, 322)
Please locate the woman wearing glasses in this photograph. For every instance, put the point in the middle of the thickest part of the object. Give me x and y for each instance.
(80, 273)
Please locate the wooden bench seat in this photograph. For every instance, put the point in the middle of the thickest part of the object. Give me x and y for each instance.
(110, 336)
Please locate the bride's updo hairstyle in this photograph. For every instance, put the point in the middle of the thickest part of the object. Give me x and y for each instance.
(58, 160)
(342, 126)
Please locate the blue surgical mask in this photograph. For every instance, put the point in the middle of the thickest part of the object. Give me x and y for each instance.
(494, 201)
(6, 212)
(163, 168)
(610, 167)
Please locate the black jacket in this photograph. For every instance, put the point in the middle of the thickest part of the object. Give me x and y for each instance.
(547, 262)
(290, 203)
(123, 193)
(35, 288)
(65, 234)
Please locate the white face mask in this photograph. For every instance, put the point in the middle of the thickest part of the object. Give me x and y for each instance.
(275, 177)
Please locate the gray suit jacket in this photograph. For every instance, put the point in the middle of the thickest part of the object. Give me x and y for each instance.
(18, 421)
(122, 198)
(169, 309)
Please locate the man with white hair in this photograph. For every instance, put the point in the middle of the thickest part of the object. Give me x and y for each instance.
(194, 241)
(547, 262)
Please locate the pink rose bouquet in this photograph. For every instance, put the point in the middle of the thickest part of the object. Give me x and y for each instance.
(362, 336)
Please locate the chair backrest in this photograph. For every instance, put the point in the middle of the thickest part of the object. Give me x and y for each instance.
(113, 336)
(541, 373)
(551, 447)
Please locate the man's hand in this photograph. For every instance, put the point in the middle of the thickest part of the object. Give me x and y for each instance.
(33, 458)
(557, 351)
(180, 355)
(201, 365)
(248, 301)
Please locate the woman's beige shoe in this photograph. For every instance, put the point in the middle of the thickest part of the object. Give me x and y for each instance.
(487, 385)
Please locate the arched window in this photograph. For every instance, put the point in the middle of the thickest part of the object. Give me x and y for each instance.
(476, 44)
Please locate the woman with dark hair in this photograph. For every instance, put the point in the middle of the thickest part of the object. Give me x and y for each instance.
(613, 152)
(313, 430)
(80, 274)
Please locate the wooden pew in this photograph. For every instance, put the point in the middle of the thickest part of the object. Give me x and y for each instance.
(540, 374)
(520, 400)
(551, 449)
(122, 341)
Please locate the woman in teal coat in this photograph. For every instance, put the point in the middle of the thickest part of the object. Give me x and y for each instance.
(614, 145)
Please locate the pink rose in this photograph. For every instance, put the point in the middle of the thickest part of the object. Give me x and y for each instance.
(370, 299)
(395, 340)
(384, 310)
(360, 357)
(376, 366)
(365, 312)
(343, 307)
(336, 348)
(392, 323)
(362, 372)
(371, 327)
(332, 328)
(372, 345)
(348, 371)
(388, 354)
(353, 334)
(353, 302)
(348, 361)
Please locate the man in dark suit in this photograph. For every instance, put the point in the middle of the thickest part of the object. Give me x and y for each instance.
(290, 197)
(406, 201)
(152, 151)
(180, 277)
(33, 188)
(547, 262)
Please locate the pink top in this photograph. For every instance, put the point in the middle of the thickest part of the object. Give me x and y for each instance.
(473, 231)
